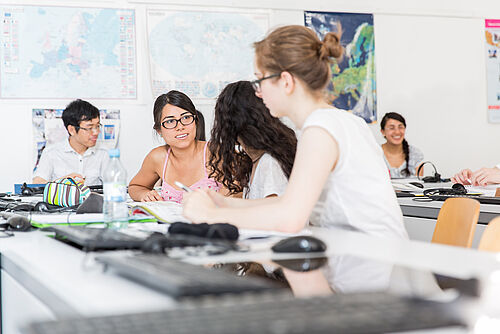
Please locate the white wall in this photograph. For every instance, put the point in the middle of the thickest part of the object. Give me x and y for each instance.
(430, 67)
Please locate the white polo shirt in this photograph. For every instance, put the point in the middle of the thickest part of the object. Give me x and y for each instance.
(61, 159)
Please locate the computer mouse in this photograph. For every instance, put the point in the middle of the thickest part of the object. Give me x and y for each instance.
(19, 223)
(299, 244)
(155, 243)
(303, 265)
(459, 189)
(417, 184)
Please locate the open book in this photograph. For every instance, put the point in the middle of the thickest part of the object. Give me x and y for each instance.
(166, 212)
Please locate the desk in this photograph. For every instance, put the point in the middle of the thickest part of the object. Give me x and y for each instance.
(420, 218)
(45, 279)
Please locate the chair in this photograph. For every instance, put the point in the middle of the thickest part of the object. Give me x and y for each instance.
(456, 222)
(490, 241)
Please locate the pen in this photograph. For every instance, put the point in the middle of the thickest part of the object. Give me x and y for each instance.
(183, 187)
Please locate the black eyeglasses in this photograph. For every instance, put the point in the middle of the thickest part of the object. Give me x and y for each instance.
(172, 123)
(256, 83)
(97, 128)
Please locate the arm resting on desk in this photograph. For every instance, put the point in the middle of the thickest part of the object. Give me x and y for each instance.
(288, 213)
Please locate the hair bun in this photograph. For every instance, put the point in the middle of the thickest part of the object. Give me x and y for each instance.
(330, 47)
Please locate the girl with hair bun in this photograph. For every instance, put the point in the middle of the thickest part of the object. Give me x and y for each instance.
(339, 178)
(401, 158)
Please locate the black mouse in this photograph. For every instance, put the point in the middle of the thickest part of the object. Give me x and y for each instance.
(299, 244)
(459, 189)
(155, 243)
(303, 265)
(417, 184)
(19, 223)
(16, 222)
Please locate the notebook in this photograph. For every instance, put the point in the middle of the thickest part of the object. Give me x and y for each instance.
(71, 218)
(165, 212)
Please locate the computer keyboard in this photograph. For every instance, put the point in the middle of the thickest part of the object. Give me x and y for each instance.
(272, 313)
(91, 238)
(180, 279)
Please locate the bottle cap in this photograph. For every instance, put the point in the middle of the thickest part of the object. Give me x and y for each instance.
(114, 153)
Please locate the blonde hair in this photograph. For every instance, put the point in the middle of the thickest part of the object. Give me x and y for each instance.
(297, 49)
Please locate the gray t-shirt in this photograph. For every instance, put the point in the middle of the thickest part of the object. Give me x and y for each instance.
(416, 158)
(268, 179)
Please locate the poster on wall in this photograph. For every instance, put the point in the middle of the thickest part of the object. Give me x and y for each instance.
(492, 32)
(67, 52)
(48, 129)
(353, 83)
(200, 52)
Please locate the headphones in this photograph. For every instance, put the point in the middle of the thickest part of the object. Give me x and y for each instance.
(30, 191)
(431, 179)
(456, 189)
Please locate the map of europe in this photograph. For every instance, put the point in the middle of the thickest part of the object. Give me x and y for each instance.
(68, 52)
(199, 53)
(352, 86)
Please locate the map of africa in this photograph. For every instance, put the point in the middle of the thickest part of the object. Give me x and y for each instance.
(68, 52)
(199, 53)
(353, 85)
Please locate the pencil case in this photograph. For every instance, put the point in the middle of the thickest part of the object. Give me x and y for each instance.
(65, 192)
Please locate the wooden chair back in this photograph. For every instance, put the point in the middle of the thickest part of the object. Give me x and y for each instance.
(490, 240)
(456, 222)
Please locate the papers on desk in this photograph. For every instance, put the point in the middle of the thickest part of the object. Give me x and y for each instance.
(72, 218)
(166, 212)
(404, 185)
(488, 190)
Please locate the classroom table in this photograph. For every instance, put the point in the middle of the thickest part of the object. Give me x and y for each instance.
(420, 218)
(43, 278)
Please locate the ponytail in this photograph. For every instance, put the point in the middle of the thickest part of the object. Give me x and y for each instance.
(406, 151)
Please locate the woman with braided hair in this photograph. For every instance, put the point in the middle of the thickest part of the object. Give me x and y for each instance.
(401, 158)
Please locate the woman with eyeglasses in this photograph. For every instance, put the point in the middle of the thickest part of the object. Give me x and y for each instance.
(339, 175)
(182, 158)
(261, 166)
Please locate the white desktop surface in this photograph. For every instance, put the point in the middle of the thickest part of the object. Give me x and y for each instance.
(67, 276)
(73, 277)
(430, 209)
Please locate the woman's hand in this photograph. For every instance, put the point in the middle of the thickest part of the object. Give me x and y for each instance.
(218, 199)
(75, 176)
(481, 177)
(485, 176)
(198, 206)
(151, 196)
(463, 177)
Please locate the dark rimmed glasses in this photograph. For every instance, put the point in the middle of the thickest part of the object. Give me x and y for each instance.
(97, 128)
(256, 83)
(172, 123)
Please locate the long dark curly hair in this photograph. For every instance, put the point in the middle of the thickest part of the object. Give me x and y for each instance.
(242, 118)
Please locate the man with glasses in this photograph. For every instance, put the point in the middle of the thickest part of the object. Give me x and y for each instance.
(77, 156)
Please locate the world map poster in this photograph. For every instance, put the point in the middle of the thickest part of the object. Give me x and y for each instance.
(67, 52)
(200, 52)
(353, 83)
(492, 31)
